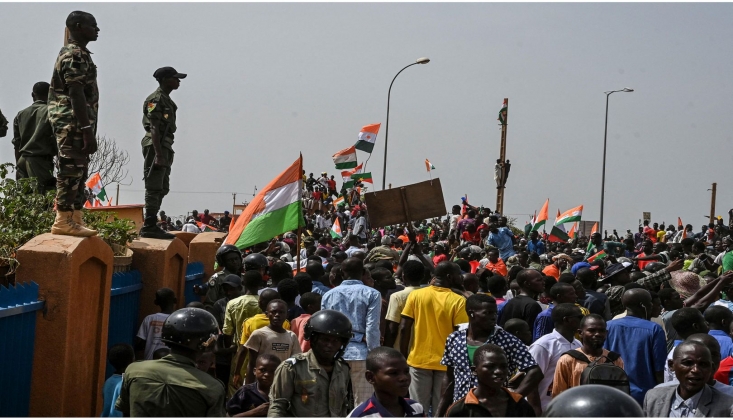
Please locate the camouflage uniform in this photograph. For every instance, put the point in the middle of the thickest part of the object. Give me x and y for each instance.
(159, 110)
(3, 125)
(73, 65)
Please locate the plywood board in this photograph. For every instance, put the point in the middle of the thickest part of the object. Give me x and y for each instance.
(423, 200)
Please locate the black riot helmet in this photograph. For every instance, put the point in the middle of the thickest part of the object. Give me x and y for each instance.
(653, 267)
(593, 401)
(328, 322)
(225, 250)
(255, 261)
(189, 328)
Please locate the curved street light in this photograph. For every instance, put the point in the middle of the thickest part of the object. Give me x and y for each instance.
(421, 60)
(605, 135)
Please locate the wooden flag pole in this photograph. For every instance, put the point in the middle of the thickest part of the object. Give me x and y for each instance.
(502, 157)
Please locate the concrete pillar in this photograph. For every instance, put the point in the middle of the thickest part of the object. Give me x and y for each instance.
(162, 263)
(74, 277)
(203, 249)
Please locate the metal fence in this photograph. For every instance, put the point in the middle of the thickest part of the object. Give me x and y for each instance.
(194, 275)
(124, 306)
(18, 306)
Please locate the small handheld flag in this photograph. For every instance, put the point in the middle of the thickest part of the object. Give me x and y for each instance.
(429, 166)
(95, 184)
(336, 229)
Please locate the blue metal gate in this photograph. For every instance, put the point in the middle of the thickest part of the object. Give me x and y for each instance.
(18, 306)
(194, 275)
(124, 306)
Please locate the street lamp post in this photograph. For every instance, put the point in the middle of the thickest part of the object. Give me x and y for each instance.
(605, 136)
(422, 60)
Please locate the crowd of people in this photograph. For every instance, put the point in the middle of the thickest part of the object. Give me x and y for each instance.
(457, 316)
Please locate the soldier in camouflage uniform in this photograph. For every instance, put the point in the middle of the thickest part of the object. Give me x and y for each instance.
(73, 102)
(159, 121)
(3, 125)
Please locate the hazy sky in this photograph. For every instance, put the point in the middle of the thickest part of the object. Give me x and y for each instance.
(267, 81)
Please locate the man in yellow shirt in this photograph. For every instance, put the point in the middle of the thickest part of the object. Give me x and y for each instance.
(433, 312)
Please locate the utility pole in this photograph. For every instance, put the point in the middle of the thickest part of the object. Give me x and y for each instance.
(117, 197)
(502, 157)
(712, 203)
(234, 202)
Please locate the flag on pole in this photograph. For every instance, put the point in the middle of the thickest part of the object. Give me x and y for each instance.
(595, 229)
(429, 166)
(336, 229)
(95, 184)
(345, 159)
(571, 234)
(277, 208)
(502, 113)
(557, 233)
(572, 215)
(367, 137)
(542, 217)
(347, 174)
(681, 226)
(338, 202)
(365, 177)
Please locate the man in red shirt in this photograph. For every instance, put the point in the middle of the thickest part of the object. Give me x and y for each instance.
(206, 218)
(650, 232)
(332, 187)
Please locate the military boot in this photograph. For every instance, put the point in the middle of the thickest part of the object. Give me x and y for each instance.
(76, 217)
(65, 225)
(151, 230)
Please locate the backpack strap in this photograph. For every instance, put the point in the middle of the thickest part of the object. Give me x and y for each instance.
(612, 357)
(575, 354)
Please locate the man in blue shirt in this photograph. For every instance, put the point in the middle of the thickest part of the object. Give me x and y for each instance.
(535, 244)
(502, 239)
(719, 319)
(640, 342)
(362, 305)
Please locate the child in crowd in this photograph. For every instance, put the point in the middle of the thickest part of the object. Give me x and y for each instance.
(250, 325)
(252, 400)
(490, 398)
(272, 339)
(148, 336)
(206, 362)
(311, 303)
(120, 356)
(387, 371)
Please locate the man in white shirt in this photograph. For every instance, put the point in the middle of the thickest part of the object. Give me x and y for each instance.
(548, 349)
(191, 226)
(360, 227)
(353, 246)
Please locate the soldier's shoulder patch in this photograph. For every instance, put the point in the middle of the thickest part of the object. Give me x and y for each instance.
(151, 106)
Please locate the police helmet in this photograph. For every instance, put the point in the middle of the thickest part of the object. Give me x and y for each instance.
(189, 327)
(328, 322)
(654, 267)
(225, 250)
(255, 261)
(593, 401)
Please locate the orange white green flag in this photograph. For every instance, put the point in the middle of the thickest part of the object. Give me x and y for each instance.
(367, 137)
(346, 158)
(572, 215)
(541, 218)
(336, 229)
(276, 209)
